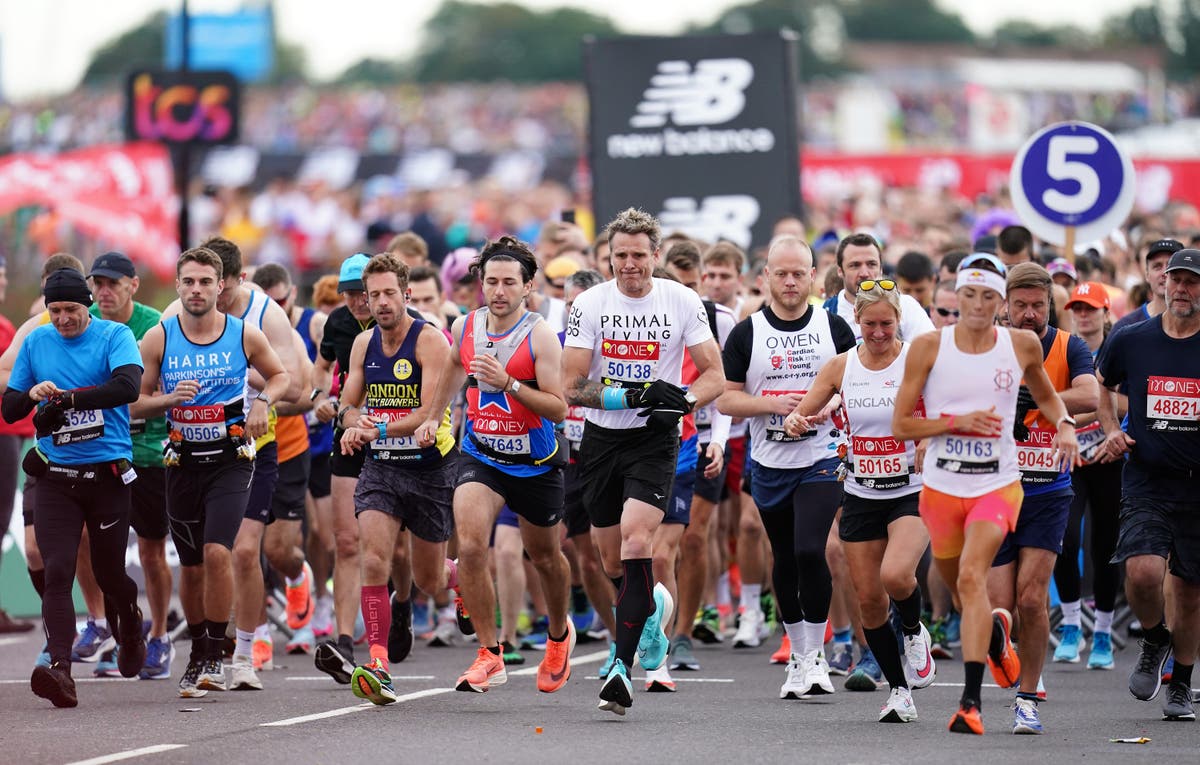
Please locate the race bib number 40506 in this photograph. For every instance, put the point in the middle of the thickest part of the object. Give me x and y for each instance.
(199, 424)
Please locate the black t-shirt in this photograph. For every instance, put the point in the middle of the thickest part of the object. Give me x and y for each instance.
(340, 330)
(1163, 377)
(740, 345)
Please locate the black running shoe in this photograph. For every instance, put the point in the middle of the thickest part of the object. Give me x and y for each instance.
(331, 659)
(400, 634)
(132, 654)
(55, 683)
(464, 619)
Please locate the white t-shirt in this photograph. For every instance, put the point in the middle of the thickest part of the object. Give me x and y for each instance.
(913, 319)
(635, 341)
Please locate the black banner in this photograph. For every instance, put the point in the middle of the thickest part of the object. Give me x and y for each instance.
(700, 131)
(199, 108)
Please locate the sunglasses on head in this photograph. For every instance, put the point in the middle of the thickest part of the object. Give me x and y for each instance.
(887, 285)
(977, 258)
(944, 312)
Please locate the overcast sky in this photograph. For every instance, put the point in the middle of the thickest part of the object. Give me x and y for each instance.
(45, 44)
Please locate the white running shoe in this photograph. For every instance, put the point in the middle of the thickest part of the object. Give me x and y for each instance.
(659, 680)
(794, 685)
(242, 676)
(817, 677)
(919, 668)
(750, 629)
(899, 707)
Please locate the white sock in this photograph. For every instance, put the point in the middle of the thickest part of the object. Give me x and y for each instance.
(101, 623)
(795, 634)
(723, 594)
(1104, 621)
(262, 632)
(814, 636)
(750, 595)
(1070, 613)
(244, 640)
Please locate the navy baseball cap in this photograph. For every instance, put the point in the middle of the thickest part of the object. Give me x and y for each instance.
(1185, 260)
(1169, 246)
(350, 277)
(113, 265)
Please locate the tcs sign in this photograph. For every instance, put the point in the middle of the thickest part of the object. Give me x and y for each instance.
(195, 107)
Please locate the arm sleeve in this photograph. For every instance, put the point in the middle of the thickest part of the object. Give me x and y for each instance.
(843, 336)
(736, 356)
(121, 388)
(1079, 358)
(16, 405)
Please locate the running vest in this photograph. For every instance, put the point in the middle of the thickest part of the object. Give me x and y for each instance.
(220, 367)
(960, 383)
(1035, 455)
(787, 362)
(393, 385)
(320, 435)
(256, 309)
(496, 419)
(880, 466)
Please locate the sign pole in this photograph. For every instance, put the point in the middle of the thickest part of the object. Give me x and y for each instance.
(1069, 244)
(183, 159)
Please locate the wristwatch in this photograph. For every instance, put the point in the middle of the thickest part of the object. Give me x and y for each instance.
(1067, 419)
(263, 398)
(516, 387)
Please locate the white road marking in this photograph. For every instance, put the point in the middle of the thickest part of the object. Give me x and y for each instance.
(587, 658)
(130, 754)
(11, 640)
(309, 678)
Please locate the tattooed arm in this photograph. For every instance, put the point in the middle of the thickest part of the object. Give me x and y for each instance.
(579, 390)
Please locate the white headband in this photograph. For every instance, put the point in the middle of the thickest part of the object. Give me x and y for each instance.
(977, 277)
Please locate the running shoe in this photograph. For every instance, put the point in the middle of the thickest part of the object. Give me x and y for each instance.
(107, 666)
(189, 687)
(160, 652)
(707, 627)
(682, 657)
(967, 720)
(1178, 704)
(555, 668)
(262, 652)
(242, 676)
(512, 657)
(132, 656)
(616, 695)
(322, 621)
(817, 677)
(1146, 678)
(486, 671)
(212, 675)
(583, 620)
(535, 640)
(653, 644)
(302, 641)
(300, 600)
(794, 682)
(55, 684)
(937, 637)
(423, 618)
(749, 631)
(866, 675)
(782, 654)
(333, 660)
(659, 681)
(899, 707)
(607, 666)
(1025, 717)
(1041, 688)
(43, 658)
(1101, 656)
(841, 657)
(919, 667)
(1005, 666)
(462, 617)
(1070, 643)
(400, 632)
(360, 628)
(1169, 668)
(766, 604)
(93, 641)
(373, 682)
(954, 630)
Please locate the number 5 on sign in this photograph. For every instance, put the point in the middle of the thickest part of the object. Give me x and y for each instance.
(1072, 181)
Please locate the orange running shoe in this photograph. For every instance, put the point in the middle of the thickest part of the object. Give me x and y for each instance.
(262, 652)
(967, 720)
(783, 655)
(300, 600)
(1006, 666)
(555, 669)
(487, 670)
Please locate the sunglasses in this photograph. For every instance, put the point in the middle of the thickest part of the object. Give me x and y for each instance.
(944, 312)
(887, 285)
(973, 260)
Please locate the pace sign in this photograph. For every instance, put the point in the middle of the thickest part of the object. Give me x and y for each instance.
(1072, 175)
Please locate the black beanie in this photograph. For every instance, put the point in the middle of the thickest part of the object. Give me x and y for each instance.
(67, 285)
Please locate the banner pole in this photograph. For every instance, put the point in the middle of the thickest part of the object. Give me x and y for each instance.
(1069, 244)
(182, 152)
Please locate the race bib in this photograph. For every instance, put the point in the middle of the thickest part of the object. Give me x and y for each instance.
(573, 425)
(703, 417)
(775, 431)
(502, 433)
(200, 424)
(1173, 404)
(1035, 457)
(879, 463)
(393, 447)
(969, 455)
(82, 425)
(515, 445)
(137, 427)
(1090, 438)
(629, 363)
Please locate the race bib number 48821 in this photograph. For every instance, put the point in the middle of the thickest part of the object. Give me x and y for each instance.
(1173, 404)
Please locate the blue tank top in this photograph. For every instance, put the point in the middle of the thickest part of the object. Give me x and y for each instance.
(393, 386)
(320, 434)
(221, 367)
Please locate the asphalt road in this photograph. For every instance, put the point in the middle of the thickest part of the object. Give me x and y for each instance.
(729, 712)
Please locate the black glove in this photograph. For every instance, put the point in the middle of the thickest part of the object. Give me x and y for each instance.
(659, 394)
(53, 415)
(1025, 403)
(662, 419)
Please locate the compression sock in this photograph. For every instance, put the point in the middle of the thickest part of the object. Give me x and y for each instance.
(910, 613)
(635, 602)
(973, 684)
(882, 642)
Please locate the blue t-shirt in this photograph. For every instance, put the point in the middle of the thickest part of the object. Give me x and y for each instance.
(86, 361)
(1163, 377)
(1079, 362)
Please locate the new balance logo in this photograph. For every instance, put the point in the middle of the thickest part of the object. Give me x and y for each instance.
(712, 93)
(712, 218)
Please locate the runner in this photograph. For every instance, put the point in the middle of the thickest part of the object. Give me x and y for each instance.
(880, 527)
(80, 374)
(624, 351)
(771, 360)
(389, 391)
(969, 376)
(511, 456)
(1158, 360)
(200, 360)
